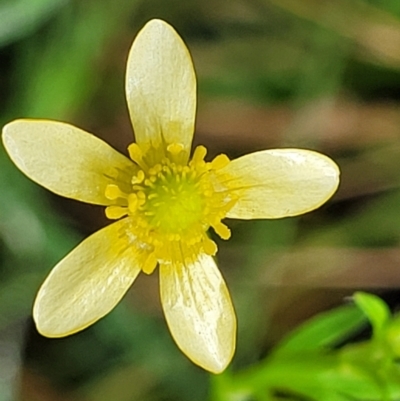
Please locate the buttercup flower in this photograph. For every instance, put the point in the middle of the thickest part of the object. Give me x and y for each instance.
(163, 203)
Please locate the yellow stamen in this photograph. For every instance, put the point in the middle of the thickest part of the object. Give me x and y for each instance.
(133, 203)
(199, 155)
(138, 178)
(150, 264)
(171, 204)
(222, 230)
(220, 161)
(113, 192)
(136, 154)
(209, 246)
(175, 148)
(116, 212)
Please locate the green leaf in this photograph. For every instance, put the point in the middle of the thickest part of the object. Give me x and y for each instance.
(354, 382)
(375, 309)
(325, 330)
(393, 335)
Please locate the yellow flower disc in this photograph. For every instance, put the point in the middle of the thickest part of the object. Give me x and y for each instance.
(170, 201)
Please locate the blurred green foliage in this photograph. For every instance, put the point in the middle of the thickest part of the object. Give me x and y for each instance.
(308, 364)
(327, 74)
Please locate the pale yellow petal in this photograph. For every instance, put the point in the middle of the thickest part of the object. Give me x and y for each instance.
(88, 282)
(161, 87)
(64, 159)
(278, 183)
(199, 312)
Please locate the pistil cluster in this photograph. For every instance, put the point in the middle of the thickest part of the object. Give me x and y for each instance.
(172, 204)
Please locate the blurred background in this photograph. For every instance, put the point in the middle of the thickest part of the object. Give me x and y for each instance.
(316, 74)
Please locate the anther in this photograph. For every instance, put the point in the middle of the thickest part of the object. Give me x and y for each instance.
(209, 246)
(175, 148)
(219, 162)
(222, 230)
(132, 202)
(150, 264)
(113, 192)
(136, 154)
(116, 212)
(138, 178)
(199, 155)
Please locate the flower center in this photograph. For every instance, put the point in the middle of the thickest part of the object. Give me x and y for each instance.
(172, 203)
